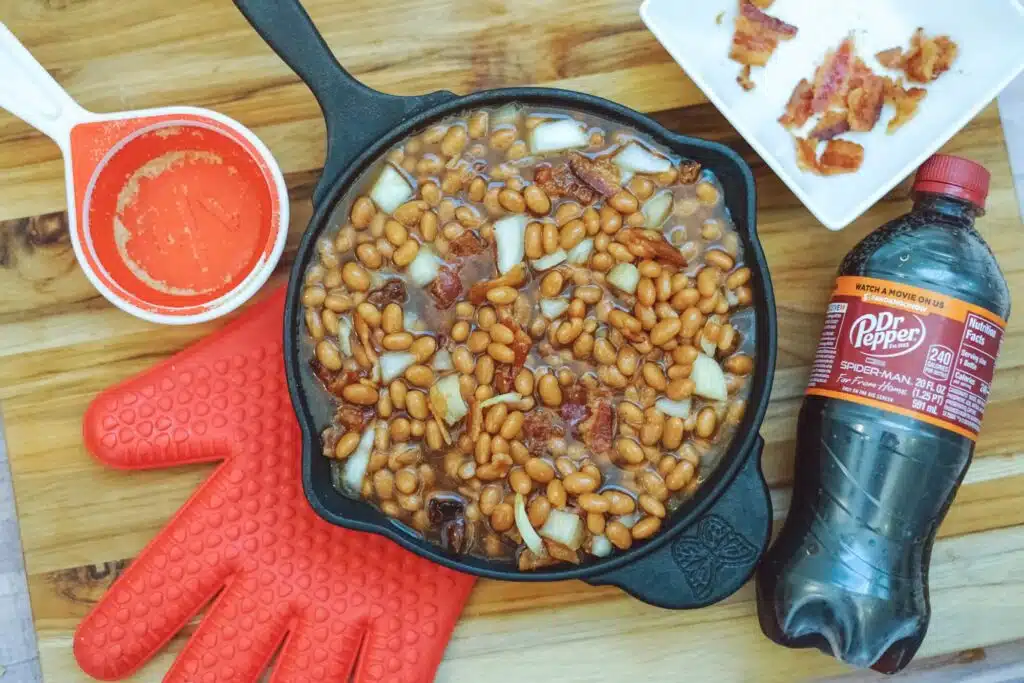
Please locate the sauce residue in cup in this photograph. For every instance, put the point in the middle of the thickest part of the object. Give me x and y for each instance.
(180, 223)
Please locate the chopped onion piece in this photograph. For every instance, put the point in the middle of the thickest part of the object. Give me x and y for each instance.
(510, 233)
(554, 136)
(393, 364)
(443, 361)
(657, 208)
(507, 114)
(706, 346)
(446, 399)
(579, 254)
(550, 260)
(345, 335)
(637, 158)
(424, 268)
(708, 378)
(625, 176)
(731, 297)
(529, 534)
(565, 528)
(625, 276)
(411, 320)
(552, 308)
(680, 409)
(629, 521)
(600, 546)
(511, 397)
(391, 190)
(357, 463)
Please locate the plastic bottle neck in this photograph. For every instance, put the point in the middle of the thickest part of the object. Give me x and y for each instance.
(959, 210)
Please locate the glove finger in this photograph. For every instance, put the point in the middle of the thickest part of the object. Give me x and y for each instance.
(198, 405)
(157, 595)
(234, 642)
(321, 652)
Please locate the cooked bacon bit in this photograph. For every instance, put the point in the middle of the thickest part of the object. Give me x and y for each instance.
(562, 553)
(596, 431)
(504, 378)
(830, 125)
(689, 172)
(574, 406)
(833, 76)
(905, 101)
(560, 181)
(338, 384)
(599, 174)
(649, 246)
(798, 109)
(469, 243)
(765, 22)
(521, 344)
(806, 154)
(475, 420)
(393, 292)
(539, 427)
(354, 418)
(446, 288)
(744, 79)
(929, 58)
(865, 103)
(757, 35)
(841, 156)
(513, 278)
(891, 58)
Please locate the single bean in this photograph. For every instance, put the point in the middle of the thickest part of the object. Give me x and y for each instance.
(579, 482)
(611, 220)
(624, 202)
(420, 376)
(355, 277)
(619, 503)
(423, 348)
(454, 141)
(537, 200)
(502, 296)
(362, 213)
(511, 201)
(551, 284)
(329, 356)
(652, 483)
(572, 233)
(399, 341)
(534, 243)
(502, 138)
(719, 259)
(592, 221)
(708, 281)
(645, 528)
(707, 193)
(520, 481)
(502, 518)
(460, 331)
(679, 389)
(549, 390)
(567, 211)
(407, 481)
(405, 254)
(596, 523)
(672, 434)
(629, 450)
(594, 502)
(416, 405)
(549, 238)
(707, 422)
(360, 394)
(501, 353)
(346, 445)
(650, 434)
(392, 319)
(478, 341)
(619, 535)
(738, 278)
(665, 331)
(524, 382)
(739, 364)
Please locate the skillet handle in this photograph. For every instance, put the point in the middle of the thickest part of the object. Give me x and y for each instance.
(715, 554)
(356, 115)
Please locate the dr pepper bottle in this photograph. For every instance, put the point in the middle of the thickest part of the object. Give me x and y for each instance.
(888, 426)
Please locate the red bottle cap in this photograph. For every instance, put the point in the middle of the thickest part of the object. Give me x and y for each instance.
(954, 176)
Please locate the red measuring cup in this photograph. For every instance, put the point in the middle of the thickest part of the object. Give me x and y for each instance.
(177, 215)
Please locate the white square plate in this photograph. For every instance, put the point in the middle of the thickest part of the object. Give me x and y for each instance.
(990, 34)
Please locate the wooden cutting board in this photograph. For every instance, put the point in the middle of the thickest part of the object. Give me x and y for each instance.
(62, 343)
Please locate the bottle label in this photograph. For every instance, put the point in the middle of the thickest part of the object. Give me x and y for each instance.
(909, 351)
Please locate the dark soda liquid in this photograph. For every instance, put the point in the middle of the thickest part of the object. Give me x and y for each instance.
(849, 571)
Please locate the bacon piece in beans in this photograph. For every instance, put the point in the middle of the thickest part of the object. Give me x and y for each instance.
(467, 244)
(560, 181)
(654, 247)
(513, 278)
(392, 292)
(505, 378)
(522, 343)
(446, 288)
(597, 429)
(540, 425)
(574, 408)
(599, 174)
(354, 418)
(689, 172)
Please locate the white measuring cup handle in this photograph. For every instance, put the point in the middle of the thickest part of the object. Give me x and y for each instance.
(31, 94)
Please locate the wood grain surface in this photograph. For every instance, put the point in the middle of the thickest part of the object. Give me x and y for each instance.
(62, 343)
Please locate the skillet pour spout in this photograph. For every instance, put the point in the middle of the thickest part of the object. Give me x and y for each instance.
(709, 546)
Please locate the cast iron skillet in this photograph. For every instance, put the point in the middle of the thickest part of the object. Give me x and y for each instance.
(709, 547)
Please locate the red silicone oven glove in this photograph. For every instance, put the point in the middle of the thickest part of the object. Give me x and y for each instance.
(332, 596)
